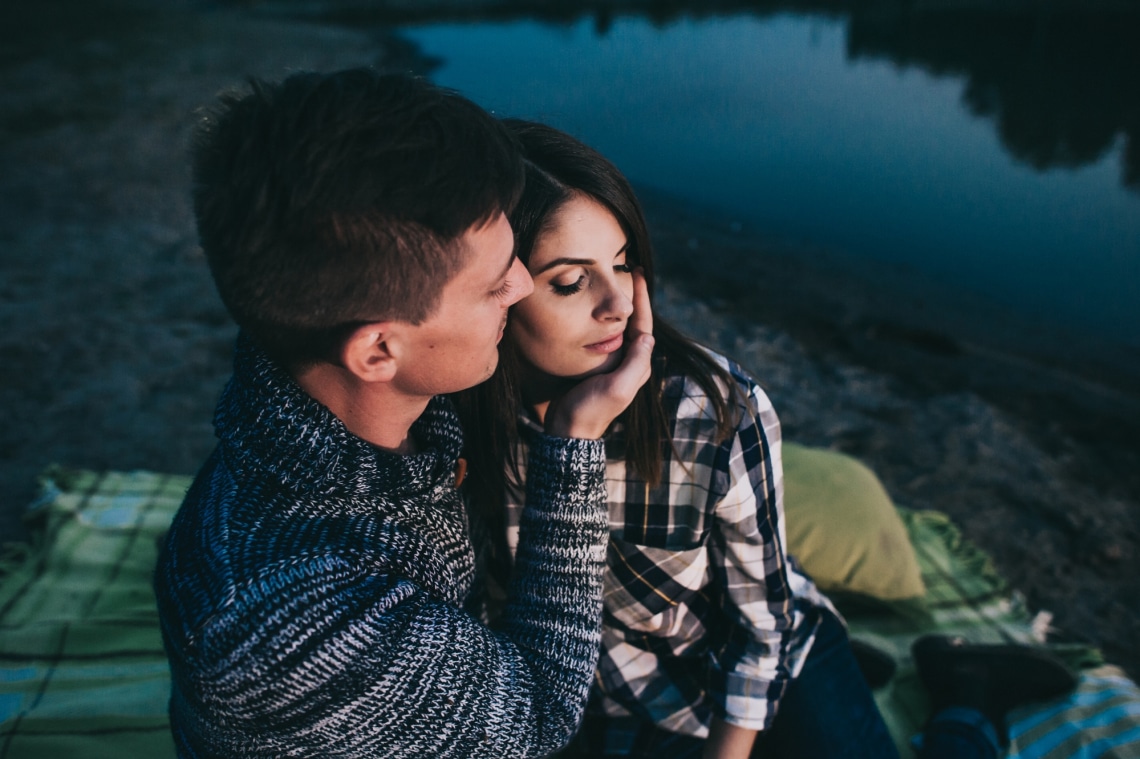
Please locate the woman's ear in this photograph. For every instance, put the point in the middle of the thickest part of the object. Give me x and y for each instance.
(367, 352)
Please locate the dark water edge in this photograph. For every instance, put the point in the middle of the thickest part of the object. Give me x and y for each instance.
(113, 345)
(896, 319)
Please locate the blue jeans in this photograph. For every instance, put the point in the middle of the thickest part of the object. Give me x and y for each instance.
(828, 708)
(958, 733)
(826, 712)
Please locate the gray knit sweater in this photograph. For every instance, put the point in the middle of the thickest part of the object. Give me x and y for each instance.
(311, 591)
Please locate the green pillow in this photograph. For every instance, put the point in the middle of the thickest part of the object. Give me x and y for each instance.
(843, 528)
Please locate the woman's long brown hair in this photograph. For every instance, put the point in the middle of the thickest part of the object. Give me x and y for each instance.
(559, 168)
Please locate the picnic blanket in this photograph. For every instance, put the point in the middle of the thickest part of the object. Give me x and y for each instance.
(82, 668)
(966, 596)
(83, 674)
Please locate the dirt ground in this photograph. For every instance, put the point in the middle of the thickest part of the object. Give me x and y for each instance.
(114, 346)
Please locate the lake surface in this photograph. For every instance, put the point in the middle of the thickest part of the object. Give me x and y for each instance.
(825, 131)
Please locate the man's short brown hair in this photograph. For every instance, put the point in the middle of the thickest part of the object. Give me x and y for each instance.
(327, 201)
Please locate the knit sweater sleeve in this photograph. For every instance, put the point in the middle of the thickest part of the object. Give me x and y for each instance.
(370, 664)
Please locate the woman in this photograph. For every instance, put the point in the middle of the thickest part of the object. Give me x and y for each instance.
(709, 627)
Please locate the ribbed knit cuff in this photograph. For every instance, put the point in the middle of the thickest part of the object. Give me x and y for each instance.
(566, 477)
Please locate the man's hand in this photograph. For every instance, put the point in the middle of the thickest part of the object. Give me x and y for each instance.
(587, 410)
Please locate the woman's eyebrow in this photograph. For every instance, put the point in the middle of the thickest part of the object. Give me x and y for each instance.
(575, 261)
(566, 262)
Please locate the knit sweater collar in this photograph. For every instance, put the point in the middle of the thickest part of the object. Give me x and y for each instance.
(269, 426)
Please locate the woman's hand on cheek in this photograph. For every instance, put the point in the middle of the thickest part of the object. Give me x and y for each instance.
(587, 409)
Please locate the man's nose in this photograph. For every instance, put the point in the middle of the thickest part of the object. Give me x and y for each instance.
(525, 281)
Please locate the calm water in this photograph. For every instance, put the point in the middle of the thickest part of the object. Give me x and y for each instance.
(818, 134)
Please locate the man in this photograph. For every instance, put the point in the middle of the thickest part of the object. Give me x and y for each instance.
(311, 587)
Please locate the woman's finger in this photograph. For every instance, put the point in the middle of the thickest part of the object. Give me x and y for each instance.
(641, 321)
(633, 371)
(589, 407)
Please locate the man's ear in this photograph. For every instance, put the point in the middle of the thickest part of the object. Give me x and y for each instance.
(367, 352)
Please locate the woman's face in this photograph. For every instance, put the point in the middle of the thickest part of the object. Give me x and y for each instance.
(573, 324)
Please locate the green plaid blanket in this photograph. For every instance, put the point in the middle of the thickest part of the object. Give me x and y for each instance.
(82, 670)
(966, 596)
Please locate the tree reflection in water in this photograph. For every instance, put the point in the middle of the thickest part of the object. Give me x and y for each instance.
(1062, 86)
(1060, 78)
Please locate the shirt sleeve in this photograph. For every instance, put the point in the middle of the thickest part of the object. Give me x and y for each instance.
(331, 658)
(749, 562)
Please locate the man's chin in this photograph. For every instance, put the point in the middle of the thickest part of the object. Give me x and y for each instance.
(492, 365)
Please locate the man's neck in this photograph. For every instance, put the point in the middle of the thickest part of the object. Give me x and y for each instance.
(372, 411)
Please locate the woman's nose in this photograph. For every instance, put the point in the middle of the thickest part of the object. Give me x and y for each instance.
(615, 304)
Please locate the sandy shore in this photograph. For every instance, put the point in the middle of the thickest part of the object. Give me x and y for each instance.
(114, 346)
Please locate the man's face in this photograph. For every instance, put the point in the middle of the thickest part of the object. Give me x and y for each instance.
(457, 346)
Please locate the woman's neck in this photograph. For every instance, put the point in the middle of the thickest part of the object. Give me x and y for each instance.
(539, 389)
(539, 410)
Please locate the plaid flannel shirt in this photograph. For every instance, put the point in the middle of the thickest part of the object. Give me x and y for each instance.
(704, 612)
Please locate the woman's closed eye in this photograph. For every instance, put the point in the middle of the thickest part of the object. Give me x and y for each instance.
(571, 288)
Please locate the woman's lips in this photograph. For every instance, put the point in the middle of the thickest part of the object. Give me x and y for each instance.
(606, 346)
